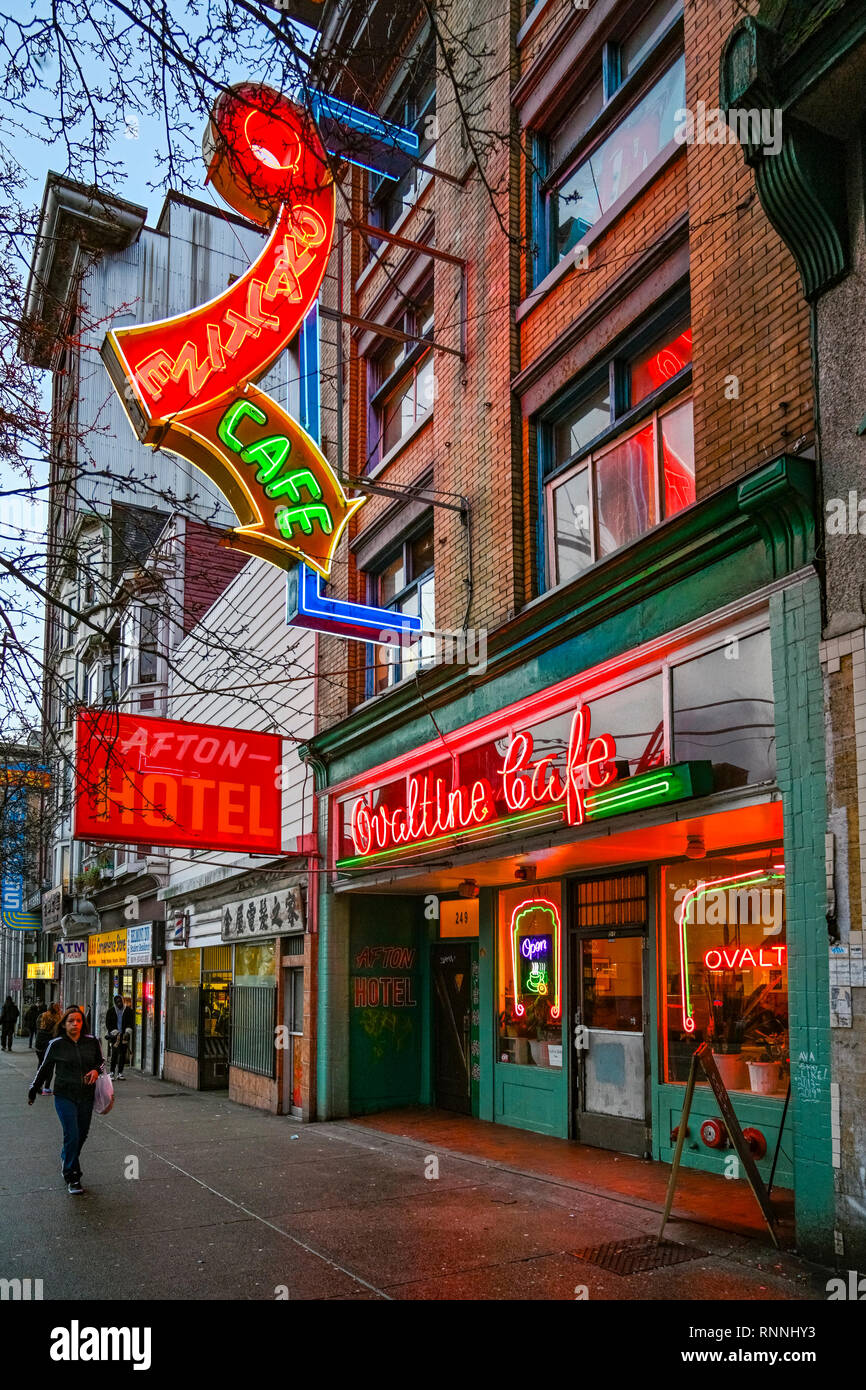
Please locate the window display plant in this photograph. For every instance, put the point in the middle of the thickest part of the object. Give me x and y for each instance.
(732, 1014)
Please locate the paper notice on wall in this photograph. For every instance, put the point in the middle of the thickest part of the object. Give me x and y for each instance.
(855, 948)
(554, 1054)
(840, 1006)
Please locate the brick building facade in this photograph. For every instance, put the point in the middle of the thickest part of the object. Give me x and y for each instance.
(615, 481)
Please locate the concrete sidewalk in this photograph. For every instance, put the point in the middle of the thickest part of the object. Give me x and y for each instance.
(191, 1196)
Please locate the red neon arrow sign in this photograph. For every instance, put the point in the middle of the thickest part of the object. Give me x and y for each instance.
(179, 377)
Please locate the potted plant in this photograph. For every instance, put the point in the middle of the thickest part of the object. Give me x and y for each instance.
(765, 1071)
(731, 1013)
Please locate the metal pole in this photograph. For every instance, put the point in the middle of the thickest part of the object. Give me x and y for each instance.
(779, 1140)
(681, 1139)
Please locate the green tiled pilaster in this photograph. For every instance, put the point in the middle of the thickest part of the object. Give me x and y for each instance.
(795, 615)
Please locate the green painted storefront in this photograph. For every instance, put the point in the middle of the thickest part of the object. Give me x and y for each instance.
(754, 538)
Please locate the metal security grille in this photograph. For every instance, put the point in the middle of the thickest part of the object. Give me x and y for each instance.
(254, 1016)
(638, 1255)
(182, 1013)
(618, 901)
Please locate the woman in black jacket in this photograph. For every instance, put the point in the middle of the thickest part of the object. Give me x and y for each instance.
(76, 1059)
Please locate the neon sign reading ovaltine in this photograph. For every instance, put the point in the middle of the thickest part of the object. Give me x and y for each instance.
(433, 809)
(503, 785)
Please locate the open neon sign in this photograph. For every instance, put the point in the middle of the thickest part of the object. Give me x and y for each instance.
(528, 921)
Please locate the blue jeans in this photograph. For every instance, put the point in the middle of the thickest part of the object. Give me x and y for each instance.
(75, 1117)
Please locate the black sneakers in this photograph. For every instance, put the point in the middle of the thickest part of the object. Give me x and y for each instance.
(74, 1188)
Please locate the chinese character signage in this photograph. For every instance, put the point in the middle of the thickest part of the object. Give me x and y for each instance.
(161, 781)
(270, 913)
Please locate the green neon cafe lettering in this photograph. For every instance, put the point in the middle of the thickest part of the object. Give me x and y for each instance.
(304, 517)
(235, 413)
(270, 453)
(292, 483)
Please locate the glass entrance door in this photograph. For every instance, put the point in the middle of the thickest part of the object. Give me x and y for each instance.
(610, 1018)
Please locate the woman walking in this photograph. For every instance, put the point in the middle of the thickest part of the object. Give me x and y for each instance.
(76, 1059)
(47, 1025)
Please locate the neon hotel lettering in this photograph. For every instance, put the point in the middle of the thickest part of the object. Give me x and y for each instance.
(431, 809)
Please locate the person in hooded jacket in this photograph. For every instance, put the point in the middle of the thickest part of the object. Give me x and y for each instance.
(75, 1060)
(8, 1019)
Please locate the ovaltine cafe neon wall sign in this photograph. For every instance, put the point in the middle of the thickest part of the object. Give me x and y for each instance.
(589, 783)
(185, 382)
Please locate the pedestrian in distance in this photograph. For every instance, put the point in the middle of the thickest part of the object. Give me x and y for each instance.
(8, 1019)
(45, 1032)
(75, 1059)
(118, 1020)
(31, 1019)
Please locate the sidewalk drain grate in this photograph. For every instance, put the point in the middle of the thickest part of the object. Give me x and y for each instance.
(639, 1255)
(170, 1095)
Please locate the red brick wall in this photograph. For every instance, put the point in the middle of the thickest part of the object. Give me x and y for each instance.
(748, 313)
(208, 568)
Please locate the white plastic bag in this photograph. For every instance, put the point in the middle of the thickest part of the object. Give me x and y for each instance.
(104, 1096)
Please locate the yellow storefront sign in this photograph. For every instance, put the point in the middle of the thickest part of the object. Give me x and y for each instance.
(41, 970)
(107, 948)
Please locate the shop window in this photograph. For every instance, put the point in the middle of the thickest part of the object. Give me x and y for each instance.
(405, 583)
(621, 458)
(722, 706)
(530, 975)
(255, 964)
(185, 966)
(414, 108)
(636, 715)
(583, 187)
(725, 965)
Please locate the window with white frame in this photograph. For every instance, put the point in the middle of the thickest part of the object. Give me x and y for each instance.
(617, 456)
(139, 646)
(402, 384)
(404, 583)
(592, 159)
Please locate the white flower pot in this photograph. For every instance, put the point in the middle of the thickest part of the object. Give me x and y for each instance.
(764, 1077)
(732, 1070)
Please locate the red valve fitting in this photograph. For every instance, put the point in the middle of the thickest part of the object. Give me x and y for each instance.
(714, 1134)
(756, 1142)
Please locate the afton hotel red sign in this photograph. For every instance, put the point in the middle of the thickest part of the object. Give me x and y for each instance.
(167, 782)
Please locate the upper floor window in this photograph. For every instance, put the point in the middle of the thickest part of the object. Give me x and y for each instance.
(618, 457)
(404, 584)
(139, 647)
(593, 162)
(401, 380)
(414, 107)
